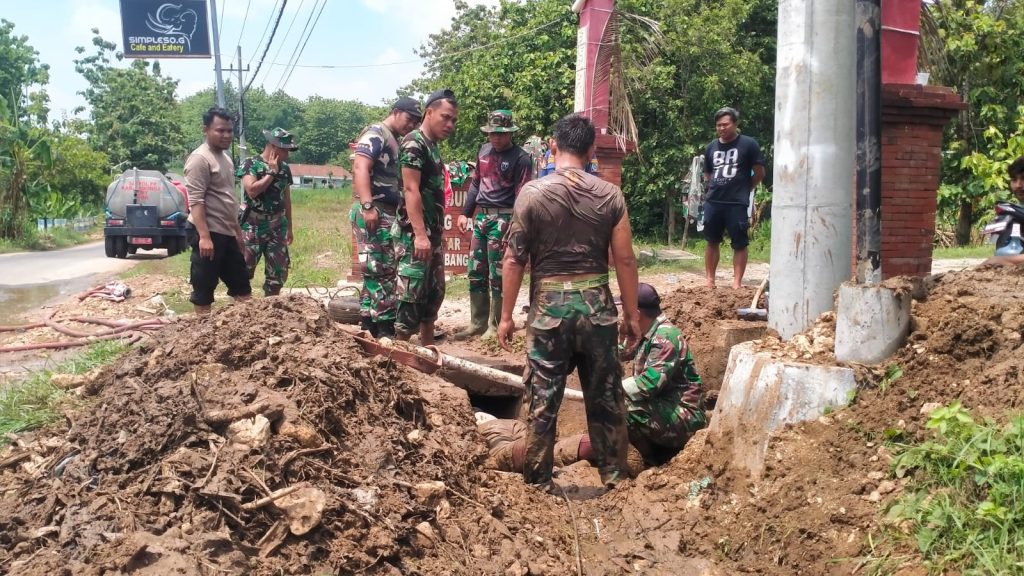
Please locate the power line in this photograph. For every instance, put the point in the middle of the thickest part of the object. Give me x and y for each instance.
(244, 20)
(262, 36)
(295, 50)
(287, 32)
(267, 47)
(417, 61)
(220, 25)
(303, 49)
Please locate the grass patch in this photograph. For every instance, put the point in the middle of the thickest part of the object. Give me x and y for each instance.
(36, 402)
(321, 251)
(980, 251)
(962, 506)
(52, 239)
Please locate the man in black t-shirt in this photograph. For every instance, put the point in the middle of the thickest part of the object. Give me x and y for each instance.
(733, 168)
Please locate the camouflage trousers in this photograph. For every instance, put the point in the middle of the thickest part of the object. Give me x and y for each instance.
(377, 263)
(420, 286)
(486, 250)
(658, 434)
(569, 330)
(266, 236)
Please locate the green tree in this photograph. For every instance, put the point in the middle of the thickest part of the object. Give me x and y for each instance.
(976, 48)
(24, 155)
(518, 56)
(714, 54)
(134, 113)
(79, 175)
(22, 76)
(328, 126)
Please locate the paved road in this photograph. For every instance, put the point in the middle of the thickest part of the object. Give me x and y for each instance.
(23, 268)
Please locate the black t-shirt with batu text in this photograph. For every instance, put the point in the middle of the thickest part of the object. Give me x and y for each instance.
(731, 167)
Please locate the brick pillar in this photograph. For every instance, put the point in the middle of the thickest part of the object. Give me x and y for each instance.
(609, 158)
(913, 119)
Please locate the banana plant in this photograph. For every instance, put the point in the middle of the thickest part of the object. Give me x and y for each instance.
(24, 154)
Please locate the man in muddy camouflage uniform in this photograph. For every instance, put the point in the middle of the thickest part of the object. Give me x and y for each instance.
(565, 225)
(501, 170)
(375, 187)
(267, 209)
(420, 220)
(664, 402)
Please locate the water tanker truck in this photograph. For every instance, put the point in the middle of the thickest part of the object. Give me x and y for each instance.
(145, 210)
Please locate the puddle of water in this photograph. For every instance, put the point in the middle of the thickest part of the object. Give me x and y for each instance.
(16, 301)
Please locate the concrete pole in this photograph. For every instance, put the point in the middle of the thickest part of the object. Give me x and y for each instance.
(217, 70)
(812, 213)
(241, 109)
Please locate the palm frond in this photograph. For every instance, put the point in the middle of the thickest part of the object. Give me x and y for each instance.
(609, 67)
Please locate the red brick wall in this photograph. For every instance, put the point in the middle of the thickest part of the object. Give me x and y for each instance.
(913, 118)
(609, 158)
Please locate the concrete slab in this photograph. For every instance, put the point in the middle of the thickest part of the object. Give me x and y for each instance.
(761, 394)
(872, 322)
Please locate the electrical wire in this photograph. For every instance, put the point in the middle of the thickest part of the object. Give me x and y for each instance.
(303, 49)
(244, 20)
(417, 61)
(287, 33)
(267, 47)
(295, 50)
(263, 36)
(220, 25)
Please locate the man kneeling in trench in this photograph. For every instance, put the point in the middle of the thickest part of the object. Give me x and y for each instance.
(664, 402)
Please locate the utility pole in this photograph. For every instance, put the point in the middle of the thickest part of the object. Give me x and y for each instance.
(216, 54)
(241, 105)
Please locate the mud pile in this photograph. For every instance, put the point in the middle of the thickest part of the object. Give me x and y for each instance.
(260, 440)
(827, 483)
(697, 311)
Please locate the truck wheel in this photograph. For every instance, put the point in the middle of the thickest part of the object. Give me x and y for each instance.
(121, 247)
(344, 309)
(173, 247)
(108, 246)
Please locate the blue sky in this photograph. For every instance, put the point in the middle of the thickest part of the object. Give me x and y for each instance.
(363, 34)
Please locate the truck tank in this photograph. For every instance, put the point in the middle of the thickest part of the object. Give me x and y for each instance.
(145, 187)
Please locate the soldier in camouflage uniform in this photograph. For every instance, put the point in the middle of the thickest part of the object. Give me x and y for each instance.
(377, 195)
(267, 209)
(665, 396)
(664, 402)
(565, 225)
(420, 220)
(502, 169)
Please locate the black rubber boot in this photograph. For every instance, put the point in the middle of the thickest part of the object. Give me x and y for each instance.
(386, 329)
(368, 325)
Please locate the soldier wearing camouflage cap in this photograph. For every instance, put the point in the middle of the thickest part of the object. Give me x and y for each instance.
(375, 186)
(267, 209)
(502, 169)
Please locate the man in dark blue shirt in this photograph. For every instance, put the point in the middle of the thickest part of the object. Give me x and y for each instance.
(733, 168)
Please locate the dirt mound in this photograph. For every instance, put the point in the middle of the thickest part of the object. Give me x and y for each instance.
(698, 310)
(259, 440)
(827, 483)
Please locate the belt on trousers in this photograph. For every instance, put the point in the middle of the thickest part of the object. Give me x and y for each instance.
(573, 285)
(494, 210)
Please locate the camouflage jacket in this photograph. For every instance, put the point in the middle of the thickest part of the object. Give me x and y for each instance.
(379, 145)
(272, 199)
(419, 153)
(664, 377)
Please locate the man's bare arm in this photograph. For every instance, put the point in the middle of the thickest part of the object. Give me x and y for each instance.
(628, 279)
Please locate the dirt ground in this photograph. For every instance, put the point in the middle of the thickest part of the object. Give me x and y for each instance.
(145, 478)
